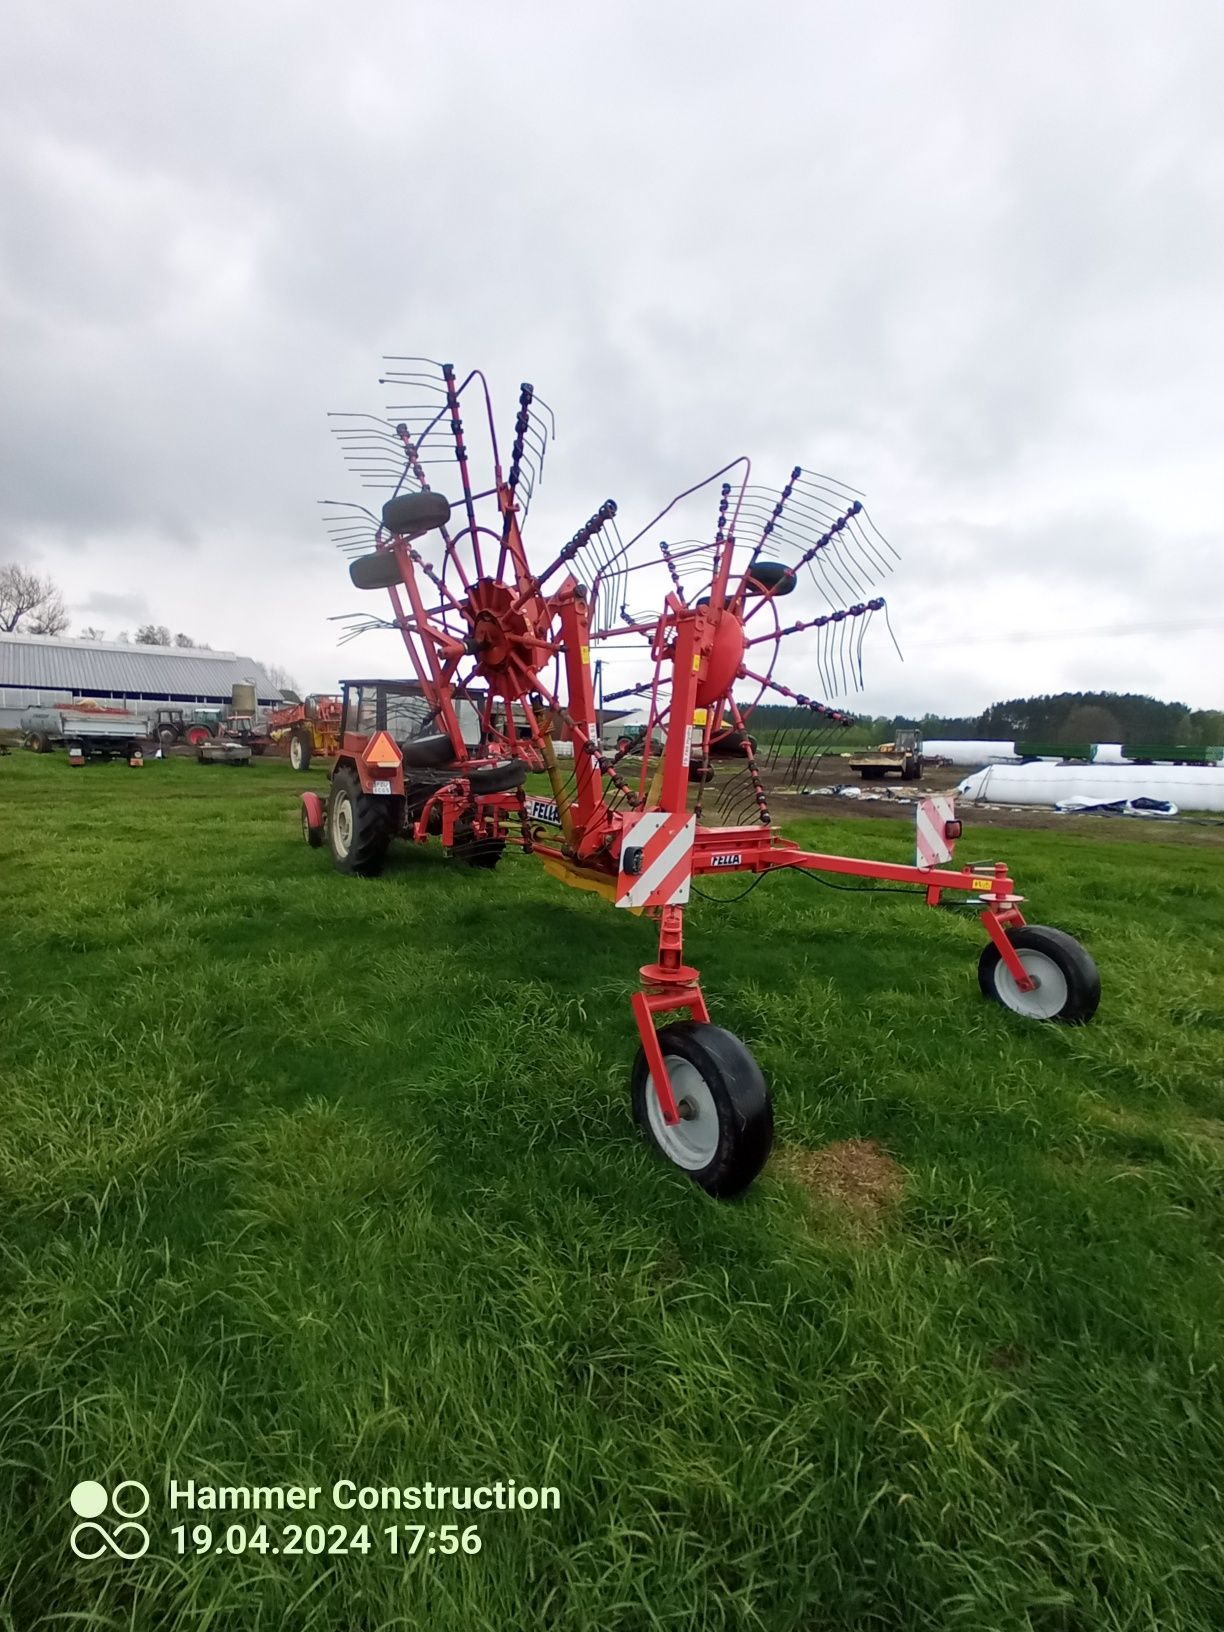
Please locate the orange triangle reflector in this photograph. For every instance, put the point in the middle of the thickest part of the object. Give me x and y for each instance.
(382, 752)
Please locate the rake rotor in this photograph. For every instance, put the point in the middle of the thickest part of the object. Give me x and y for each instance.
(692, 606)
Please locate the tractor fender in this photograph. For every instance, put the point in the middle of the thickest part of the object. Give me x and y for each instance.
(312, 805)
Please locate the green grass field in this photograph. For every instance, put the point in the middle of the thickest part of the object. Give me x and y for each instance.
(308, 1178)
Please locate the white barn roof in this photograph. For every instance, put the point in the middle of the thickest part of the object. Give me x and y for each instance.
(47, 663)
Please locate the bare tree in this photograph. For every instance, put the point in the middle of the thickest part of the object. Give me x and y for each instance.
(280, 677)
(184, 641)
(25, 598)
(152, 634)
(51, 618)
(88, 632)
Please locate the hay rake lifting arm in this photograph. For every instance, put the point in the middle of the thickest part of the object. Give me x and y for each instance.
(478, 621)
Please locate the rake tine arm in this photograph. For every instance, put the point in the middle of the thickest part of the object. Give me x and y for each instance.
(825, 712)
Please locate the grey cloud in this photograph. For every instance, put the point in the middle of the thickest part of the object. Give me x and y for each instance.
(966, 259)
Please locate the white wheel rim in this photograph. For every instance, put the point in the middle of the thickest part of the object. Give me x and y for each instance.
(295, 754)
(693, 1143)
(342, 825)
(1047, 998)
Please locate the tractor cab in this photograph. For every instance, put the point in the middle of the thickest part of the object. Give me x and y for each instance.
(399, 708)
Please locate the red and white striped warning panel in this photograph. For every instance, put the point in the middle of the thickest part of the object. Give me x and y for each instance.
(656, 860)
(934, 846)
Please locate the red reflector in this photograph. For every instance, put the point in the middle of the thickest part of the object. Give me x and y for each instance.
(952, 830)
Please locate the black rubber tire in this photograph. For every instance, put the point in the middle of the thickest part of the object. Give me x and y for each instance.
(1074, 961)
(483, 853)
(624, 744)
(167, 736)
(700, 773)
(37, 743)
(503, 777)
(873, 773)
(369, 825)
(312, 835)
(379, 570)
(259, 749)
(197, 735)
(429, 752)
(741, 1100)
(765, 577)
(304, 747)
(409, 515)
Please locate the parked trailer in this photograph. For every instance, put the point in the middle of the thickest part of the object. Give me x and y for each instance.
(87, 732)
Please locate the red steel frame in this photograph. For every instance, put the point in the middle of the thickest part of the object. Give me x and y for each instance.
(516, 631)
(669, 984)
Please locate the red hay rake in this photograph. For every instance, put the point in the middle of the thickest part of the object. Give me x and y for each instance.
(501, 654)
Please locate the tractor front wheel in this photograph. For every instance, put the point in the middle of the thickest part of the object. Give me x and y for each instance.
(300, 750)
(358, 827)
(1067, 982)
(725, 1132)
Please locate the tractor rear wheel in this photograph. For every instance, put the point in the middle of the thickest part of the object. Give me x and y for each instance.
(725, 1132)
(167, 736)
(197, 734)
(300, 750)
(1068, 983)
(358, 827)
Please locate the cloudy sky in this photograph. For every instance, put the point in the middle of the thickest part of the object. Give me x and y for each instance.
(969, 257)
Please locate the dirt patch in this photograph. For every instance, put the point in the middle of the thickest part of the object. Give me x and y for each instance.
(1006, 1357)
(855, 1175)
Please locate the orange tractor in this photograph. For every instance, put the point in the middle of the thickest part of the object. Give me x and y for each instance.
(308, 729)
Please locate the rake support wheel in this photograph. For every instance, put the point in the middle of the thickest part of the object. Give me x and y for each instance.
(1068, 985)
(725, 1133)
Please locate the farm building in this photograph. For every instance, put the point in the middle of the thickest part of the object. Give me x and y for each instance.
(44, 669)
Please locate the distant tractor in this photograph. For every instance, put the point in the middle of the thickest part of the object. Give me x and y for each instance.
(171, 726)
(307, 729)
(902, 756)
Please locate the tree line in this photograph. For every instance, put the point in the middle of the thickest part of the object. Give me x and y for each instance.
(1066, 717)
